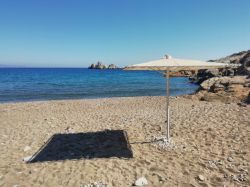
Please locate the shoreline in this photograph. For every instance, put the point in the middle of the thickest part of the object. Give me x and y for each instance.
(94, 98)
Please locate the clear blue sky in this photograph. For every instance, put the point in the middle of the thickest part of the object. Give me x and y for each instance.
(75, 33)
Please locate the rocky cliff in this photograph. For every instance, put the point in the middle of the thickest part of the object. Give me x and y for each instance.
(227, 85)
(241, 59)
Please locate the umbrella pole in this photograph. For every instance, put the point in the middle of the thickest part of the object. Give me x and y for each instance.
(167, 104)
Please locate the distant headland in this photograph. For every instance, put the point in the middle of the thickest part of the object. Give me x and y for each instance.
(100, 65)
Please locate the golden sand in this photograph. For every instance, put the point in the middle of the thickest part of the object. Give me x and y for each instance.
(212, 143)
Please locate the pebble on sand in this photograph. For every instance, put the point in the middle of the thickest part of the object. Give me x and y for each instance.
(230, 159)
(95, 184)
(141, 181)
(201, 177)
(27, 158)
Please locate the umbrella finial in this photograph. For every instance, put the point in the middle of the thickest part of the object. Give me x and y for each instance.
(167, 57)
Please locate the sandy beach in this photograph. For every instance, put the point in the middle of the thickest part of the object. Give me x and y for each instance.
(211, 139)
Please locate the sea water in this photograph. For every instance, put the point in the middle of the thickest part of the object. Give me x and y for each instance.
(29, 84)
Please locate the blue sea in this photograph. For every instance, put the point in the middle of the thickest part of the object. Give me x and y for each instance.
(29, 84)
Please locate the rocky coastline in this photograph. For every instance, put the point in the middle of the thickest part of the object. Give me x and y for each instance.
(240, 60)
(225, 89)
(226, 85)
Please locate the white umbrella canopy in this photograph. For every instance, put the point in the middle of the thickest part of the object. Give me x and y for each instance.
(173, 64)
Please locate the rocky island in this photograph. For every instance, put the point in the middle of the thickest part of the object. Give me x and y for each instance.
(100, 65)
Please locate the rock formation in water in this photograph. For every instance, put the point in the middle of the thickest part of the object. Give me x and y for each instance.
(100, 65)
(112, 66)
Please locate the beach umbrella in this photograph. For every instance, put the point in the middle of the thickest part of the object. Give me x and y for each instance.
(169, 64)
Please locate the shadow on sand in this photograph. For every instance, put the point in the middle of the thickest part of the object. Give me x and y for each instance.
(102, 144)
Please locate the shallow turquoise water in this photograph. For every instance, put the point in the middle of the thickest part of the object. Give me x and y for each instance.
(27, 84)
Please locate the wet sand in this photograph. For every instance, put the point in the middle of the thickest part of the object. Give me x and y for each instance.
(78, 142)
